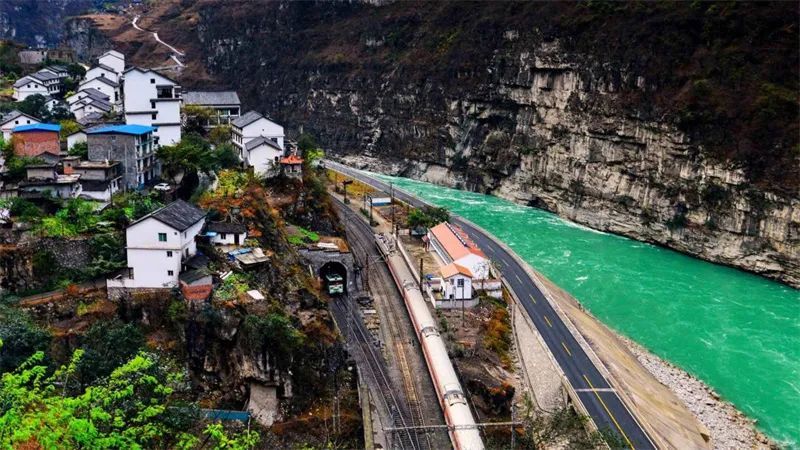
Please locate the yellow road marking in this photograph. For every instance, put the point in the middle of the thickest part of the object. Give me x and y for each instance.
(565, 348)
(548, 322)
(609, 412)
(532, 297)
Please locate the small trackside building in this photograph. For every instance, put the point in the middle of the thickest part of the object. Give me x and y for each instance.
(36, 139)
(457, 282)
(159, 245)
(154, 100)
(132, 145)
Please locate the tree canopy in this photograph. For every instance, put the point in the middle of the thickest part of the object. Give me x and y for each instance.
(427, 217)
(135, 407)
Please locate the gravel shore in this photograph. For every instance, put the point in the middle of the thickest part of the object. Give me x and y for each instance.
(730, 429)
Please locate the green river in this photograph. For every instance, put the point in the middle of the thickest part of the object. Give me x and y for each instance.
(738, 332)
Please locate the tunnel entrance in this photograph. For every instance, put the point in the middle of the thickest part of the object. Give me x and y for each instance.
(334, 278)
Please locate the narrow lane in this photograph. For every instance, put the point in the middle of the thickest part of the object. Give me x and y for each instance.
(603, 404)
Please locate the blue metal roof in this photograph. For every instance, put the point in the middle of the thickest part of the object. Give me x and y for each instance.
(123, 129)
(37, 127)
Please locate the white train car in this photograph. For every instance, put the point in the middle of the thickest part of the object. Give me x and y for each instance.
(463, 431)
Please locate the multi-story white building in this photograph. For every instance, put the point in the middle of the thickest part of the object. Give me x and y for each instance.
(154, 100)
(114, 60)
(159, 244)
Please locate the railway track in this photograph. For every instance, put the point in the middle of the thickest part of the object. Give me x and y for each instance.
(360, 234)
(375, 368)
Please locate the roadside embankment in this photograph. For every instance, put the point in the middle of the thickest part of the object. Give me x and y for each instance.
(678, 406)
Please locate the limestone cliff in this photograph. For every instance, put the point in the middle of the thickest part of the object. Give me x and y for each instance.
(669, 123)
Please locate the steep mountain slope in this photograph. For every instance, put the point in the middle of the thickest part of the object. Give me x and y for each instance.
(38, 22)
(674, 123)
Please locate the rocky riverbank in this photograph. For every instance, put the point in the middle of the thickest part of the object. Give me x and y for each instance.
(730, 428)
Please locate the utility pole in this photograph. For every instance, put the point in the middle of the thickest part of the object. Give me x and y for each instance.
(421, 261)
(344, 186)
(391, 204)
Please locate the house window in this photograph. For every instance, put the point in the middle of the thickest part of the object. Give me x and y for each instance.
(169, 253)
(153, 116)
(152, 105)
(162, 237)
(223, 236)
(152, 81)
(460, 282)
(170, 273)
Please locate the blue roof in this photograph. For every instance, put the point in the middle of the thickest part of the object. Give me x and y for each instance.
(37, 127)
(123, 129)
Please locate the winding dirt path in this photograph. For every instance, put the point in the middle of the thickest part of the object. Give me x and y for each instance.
(175, 51)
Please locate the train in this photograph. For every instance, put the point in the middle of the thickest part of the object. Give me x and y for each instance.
(463, 430)
(335, 284)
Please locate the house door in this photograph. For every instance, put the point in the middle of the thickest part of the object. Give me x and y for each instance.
(236, 238)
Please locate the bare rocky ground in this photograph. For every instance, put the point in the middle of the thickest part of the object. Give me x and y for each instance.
(730, 429)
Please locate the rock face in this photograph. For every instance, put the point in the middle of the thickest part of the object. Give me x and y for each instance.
(37, 22)
(543, 104)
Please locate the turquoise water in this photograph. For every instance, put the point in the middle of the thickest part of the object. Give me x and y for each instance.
(738, 332)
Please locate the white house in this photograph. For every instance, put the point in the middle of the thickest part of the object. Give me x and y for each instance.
(263, 155)
(88, 92)
(457, 282)
(27, 86)
(225, 233)
(107, 87)
(102, 70)
(158, 245)
(154, 100)
(13, 119)
(453, 245)
(76, 138)
(88, 105)
(113, 60)
(252, 125)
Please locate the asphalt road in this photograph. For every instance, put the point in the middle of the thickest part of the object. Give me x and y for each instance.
(601, 402)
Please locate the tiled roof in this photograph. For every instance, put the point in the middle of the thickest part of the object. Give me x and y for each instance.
(226, 227)
(135, 130)
(292, 159)
(25, 80)
(210, 98)
(455, 269)
(455, 241)
(13, 115)
(103, 66)
(92, 117)
(259, 141)
(94, 94)
(43, 76)
(102, 80)
(246, 119)
(179, 214)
